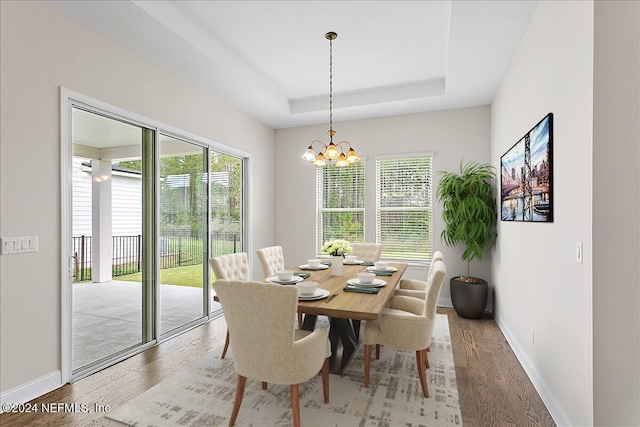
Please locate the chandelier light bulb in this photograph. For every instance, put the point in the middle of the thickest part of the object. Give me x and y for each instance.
(332, 152)
(342, 161)
(319, 161)
(352, 156)
(309, 155)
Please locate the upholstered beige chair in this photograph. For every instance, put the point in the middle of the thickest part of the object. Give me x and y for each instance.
(406, 324)
(367, 251)
(265, 345)
(417, 288)
(230, 267)
(272, 260)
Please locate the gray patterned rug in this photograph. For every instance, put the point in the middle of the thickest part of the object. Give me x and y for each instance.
(202, 394)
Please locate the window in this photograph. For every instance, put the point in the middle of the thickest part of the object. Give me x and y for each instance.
(403, 206)
(339, 203)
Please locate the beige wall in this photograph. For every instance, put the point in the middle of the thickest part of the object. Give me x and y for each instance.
(539, 285)
(452, 135)
(585, 317)
(41, 50)
(616, 214)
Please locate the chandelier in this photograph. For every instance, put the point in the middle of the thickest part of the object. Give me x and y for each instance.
(331, 151)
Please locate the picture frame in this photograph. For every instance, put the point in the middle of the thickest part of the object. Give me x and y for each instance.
(526, 186)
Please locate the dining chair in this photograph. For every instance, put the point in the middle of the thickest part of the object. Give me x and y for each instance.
(230, 267)
(265, 345)
(367, 251)
(406, 324)
(272, 260)
(417, 289)
(414, 287)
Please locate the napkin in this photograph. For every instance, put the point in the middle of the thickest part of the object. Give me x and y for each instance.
(350, 288)
(367, 263)
(303, 274)
(382, 273)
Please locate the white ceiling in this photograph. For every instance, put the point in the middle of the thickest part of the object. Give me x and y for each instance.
(270, 59)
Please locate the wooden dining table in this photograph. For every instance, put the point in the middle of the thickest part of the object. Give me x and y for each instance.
(345, 310)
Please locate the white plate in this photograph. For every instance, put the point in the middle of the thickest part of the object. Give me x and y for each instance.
(356, 262)
(294, 279)
(377, 283)
(389, 269)
(308, 267)
(318, 294)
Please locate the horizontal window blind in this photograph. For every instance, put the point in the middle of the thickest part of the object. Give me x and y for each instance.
(404, 207)
(339, 204)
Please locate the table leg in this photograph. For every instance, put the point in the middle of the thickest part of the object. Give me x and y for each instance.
(344, 335)
(344, 342)
(356, 329)
(309, 322)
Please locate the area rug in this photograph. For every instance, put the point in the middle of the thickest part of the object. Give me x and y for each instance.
(202, 394)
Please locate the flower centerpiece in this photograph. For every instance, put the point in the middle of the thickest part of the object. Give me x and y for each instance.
(337, 248)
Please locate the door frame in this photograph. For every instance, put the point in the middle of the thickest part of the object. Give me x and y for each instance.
(68, 99)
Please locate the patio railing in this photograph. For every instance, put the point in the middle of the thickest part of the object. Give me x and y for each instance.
(175, 251)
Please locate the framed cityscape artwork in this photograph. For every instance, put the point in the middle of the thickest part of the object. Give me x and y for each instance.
(527, 176)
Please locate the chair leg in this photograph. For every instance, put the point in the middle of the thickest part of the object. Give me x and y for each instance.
(422, 373)
(299, 320)
(236, 404)
(325, 380)
(264, 385)
(425, 358)
(295, 405)
(226, 345)
(378, 351)
(367, 364)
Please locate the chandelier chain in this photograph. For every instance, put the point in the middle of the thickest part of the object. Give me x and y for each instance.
(331, 89)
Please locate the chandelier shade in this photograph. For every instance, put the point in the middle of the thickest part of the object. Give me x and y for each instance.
(332, 151)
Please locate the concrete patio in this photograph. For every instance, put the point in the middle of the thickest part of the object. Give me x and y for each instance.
(107, 317)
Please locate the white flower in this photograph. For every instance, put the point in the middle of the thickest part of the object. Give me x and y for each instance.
(336, 247)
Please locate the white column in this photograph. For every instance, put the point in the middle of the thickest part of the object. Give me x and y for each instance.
(101, 221)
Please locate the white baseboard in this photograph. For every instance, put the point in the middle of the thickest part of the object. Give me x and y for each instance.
(545, 393)
(35, 388)
(444, 302)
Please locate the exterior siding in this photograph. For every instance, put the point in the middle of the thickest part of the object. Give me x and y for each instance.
(127, 202)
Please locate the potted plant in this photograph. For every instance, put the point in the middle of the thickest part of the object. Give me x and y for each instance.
(337, 248)
(469, 214)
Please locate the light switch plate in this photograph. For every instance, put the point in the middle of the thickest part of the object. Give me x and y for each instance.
(18, 245)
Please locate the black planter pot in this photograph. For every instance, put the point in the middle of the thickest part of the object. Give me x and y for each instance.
(469, 299)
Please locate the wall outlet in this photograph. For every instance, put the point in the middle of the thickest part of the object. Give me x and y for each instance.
(579, 253)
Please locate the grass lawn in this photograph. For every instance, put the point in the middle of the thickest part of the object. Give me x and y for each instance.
(183, 276)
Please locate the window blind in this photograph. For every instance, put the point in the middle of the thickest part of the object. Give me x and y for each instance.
(339, 204)
(404, 207)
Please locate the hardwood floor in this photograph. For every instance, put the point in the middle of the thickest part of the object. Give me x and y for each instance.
(493, 388)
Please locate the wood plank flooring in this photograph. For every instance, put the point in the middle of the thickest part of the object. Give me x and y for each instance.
(494, 389)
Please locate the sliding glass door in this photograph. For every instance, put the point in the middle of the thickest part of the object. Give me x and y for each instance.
(183, 232)
(107, 232)
(227, 208)
(144, 208)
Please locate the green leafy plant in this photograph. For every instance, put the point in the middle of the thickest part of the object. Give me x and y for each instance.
(469, 210)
